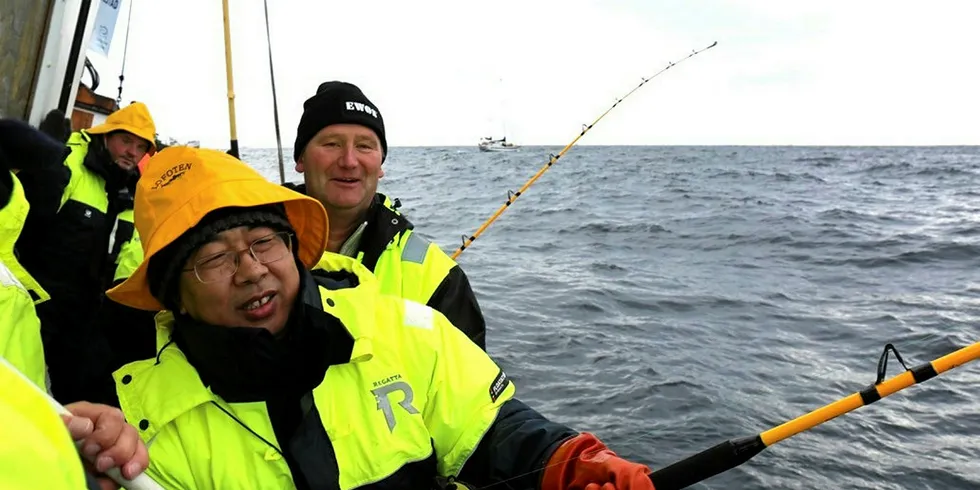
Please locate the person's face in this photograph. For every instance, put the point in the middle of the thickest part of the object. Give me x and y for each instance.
(126, 149)
(341, 166)
(260, 293)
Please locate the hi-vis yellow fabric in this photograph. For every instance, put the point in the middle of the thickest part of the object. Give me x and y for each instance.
(130, 252)
(130, 257)
(134, 119)
(20, 328)
(85, 186)
(412, 267)
(414, 384)
(36, 450)
(182, 184)
(12, 219)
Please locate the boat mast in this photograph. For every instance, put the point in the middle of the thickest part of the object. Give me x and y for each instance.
(503, 109)
(231, 85)
(71, 74)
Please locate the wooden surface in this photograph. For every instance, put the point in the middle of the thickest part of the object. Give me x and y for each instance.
(22, 30)
(81, 120)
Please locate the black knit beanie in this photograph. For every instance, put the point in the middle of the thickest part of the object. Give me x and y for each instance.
(338, 103)
(165, 267)
(24, 147)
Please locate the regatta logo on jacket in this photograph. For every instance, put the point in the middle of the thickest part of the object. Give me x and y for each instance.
(498, 385)
(387, 386)
(172, 174)
(362, 107)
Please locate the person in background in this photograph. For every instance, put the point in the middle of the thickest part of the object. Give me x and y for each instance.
(37, 451)
(20, 329)
(56, 125)
(129, 332)
(66, 240)
(340, 148)
(270, 375)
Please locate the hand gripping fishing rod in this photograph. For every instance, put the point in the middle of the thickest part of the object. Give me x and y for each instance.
(734, 452)
(512, 196)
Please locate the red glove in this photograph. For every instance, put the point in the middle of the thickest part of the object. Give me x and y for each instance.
(585, 463)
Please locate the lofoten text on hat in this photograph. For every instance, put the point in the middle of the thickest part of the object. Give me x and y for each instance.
(360, 106)
(172, 174)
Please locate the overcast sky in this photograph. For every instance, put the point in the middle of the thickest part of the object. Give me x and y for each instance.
(448, 72)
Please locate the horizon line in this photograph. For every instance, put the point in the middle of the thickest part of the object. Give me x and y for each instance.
(680, 145)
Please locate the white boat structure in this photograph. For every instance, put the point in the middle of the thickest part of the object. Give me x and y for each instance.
(487, 143)
(46, 45)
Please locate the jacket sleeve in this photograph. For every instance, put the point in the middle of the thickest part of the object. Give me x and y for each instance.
(480, 433)
(454, 298)
(39, 160)
(20, 329)
(515, 449)
(129, 332)
(44, 189)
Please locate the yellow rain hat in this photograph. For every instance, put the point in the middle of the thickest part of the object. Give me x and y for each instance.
(181, 185)
(134, 119)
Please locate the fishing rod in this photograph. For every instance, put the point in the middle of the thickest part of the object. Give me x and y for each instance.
(275, 104)
(231, 84)
(734, 452)
(512, 196)
(141, 482)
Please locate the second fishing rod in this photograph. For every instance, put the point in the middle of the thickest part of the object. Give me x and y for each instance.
(512, 196)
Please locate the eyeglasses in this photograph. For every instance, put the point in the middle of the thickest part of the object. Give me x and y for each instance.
(265, 250)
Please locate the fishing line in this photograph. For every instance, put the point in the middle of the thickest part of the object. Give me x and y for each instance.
(512, 196)
(122, 70)
(275, 103)
(734, 452)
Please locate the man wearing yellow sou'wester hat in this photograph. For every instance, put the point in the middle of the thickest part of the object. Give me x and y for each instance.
(270, 375)
(66, 241)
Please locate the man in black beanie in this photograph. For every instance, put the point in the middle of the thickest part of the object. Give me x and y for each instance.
(340, 147)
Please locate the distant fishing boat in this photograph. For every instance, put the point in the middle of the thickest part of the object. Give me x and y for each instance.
(489, 144)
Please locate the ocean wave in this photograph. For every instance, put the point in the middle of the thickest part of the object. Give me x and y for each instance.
(945, 252)
(817, 160)
(614, 228)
